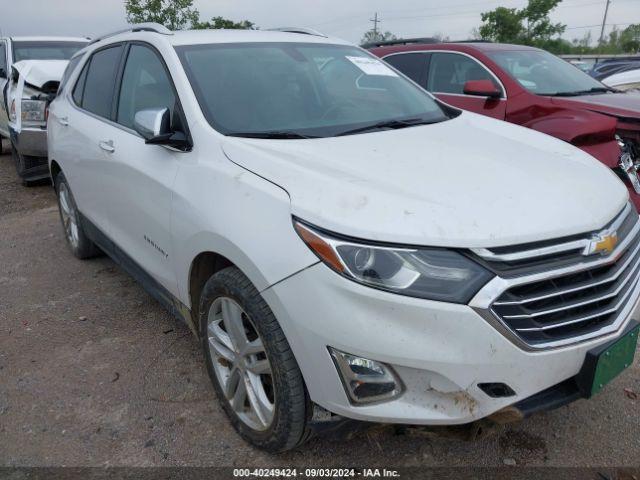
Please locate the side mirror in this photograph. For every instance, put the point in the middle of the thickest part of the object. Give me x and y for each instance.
(3, 72)
(482, 88)
(154, 125)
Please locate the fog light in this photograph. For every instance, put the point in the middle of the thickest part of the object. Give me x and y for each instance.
(366, 381)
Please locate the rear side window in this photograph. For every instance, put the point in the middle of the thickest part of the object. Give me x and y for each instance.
(73, 63)
(145, 85)
(99, 85)
(411, 64)
(3, 58)
(448, 72)
(78, 90)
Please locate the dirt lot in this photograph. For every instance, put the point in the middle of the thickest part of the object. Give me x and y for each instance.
(94, 373)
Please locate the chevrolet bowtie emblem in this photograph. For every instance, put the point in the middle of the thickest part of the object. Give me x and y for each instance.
(603, 243)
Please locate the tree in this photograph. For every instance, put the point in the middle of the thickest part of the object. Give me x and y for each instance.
(629, 39)
(220, 22)
(530, 25)
(173, 14)
(373, 36)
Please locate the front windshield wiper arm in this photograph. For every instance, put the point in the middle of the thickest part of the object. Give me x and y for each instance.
(284, 135)
(390, 124)
(582, 92)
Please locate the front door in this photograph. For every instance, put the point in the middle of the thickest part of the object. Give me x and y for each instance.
(139, 178)
(448, 72)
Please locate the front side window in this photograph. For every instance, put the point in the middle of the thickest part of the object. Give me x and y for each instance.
(41, 50)
(145, 85)
(545, 74)
(448, 72)
(307, 89)
(100, 80)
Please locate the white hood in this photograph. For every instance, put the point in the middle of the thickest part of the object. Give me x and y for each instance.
(468, 182)
(39, 72)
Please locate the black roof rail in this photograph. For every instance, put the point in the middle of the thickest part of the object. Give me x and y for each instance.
(400, 41)
(470, 41)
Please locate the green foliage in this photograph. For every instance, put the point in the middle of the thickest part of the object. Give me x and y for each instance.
(173, 14)
(371, 36)
(177, 15)
(220, 22)
(530, 25)
(630, 39)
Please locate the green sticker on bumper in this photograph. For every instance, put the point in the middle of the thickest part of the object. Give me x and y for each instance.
(614, 360)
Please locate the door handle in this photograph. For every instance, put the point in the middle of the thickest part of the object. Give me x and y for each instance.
(107, 146)
(63, 121)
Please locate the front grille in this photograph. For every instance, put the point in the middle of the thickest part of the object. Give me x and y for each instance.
(578, 302)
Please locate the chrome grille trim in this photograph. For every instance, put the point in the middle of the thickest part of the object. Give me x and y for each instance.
(630, 276)
(612, 278)
(590, 298)
(580, 244)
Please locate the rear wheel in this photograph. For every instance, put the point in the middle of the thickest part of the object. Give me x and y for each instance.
(251, 365)
(81, 246)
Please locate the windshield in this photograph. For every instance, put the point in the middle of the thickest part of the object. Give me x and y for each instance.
(545, 74)
(45, 50)
(294, 90)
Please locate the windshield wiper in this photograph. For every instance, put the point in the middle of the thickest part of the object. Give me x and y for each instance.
(390, 124)
(286, 135)
(581, 92)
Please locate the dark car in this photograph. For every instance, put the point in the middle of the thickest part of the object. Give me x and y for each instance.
(532, 88)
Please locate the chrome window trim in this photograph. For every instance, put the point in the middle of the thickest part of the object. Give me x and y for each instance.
(483, 301)
(584, 243)
(503, 95)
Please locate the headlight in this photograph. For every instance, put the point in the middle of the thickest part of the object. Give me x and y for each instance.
(431, 273)
(33, 111)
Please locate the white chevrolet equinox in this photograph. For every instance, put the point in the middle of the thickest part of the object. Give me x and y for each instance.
(345, 246)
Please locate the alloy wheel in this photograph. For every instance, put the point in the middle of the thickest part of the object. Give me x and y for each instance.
(240, 363)
(69, 215)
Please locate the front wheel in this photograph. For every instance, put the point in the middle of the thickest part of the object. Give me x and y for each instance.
(251, 365)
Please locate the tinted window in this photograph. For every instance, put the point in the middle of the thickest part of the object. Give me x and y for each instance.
(98, 90)
(78, 90)
(68, 71)
(411, 64)
(303, 88)
(3, 57)
(145, 85)
(448, 72)
(45, 50)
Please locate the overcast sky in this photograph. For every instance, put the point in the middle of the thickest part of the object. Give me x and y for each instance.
(345, 19)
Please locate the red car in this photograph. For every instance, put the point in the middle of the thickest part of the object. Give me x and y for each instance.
(532, 88)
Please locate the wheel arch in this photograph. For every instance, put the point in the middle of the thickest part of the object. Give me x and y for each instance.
(54, 169)
(203, 266)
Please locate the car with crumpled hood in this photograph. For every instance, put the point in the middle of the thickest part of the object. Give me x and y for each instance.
(30, 71)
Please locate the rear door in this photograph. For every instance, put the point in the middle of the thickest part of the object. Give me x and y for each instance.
(448, 72)
(83, 126)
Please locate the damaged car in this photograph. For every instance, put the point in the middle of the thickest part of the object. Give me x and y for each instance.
(30, 72)
(529, 87)
(344, 245)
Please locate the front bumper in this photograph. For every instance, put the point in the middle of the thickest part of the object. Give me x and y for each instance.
(440, 351)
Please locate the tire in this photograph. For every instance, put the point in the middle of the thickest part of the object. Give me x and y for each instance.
(18, 159)
(285, 426)
(81, 246)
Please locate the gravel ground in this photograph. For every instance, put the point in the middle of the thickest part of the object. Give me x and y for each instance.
(93, 372)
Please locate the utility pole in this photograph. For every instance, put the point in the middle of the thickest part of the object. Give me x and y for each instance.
(604, 21)
(375, 21)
